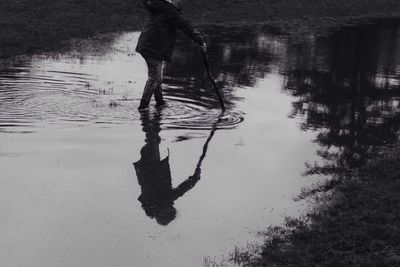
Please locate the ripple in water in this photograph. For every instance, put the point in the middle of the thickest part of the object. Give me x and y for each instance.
(98, 89)
(187, 115)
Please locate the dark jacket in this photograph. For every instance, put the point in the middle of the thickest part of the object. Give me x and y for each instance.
(158, 36)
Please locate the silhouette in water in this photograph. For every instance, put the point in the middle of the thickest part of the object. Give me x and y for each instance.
(154, 174)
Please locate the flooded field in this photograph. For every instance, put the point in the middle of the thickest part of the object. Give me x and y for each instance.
(87, 180)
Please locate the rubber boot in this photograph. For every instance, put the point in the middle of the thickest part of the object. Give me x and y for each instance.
(147, 93)
(158, 96)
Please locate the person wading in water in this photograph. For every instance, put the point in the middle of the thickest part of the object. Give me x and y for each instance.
(156, 43)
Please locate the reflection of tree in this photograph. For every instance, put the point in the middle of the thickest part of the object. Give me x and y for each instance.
(237, 58)
(347, 84)
(348, 87)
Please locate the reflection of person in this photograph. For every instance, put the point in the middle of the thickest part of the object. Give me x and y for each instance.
(154, 175)
(157, 40)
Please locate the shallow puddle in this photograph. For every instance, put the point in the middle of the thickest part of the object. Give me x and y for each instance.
(87, 180)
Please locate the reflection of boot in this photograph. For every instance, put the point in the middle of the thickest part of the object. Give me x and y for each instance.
(161, 104)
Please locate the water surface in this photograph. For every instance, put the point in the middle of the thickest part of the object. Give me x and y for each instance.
(87, 180)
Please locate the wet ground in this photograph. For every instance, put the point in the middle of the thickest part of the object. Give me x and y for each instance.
(87, 180)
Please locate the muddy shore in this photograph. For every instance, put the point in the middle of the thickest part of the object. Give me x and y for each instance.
(31, 26)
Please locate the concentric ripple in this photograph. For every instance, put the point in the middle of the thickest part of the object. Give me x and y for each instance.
(104, 87)
(185, 115)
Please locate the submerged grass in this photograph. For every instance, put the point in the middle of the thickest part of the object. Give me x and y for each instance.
(27, 26)
(355, 223)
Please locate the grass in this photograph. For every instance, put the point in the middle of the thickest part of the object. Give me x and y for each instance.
(355, 223)
(233, 11)
(27, 26)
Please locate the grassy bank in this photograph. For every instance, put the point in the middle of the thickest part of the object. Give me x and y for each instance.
(356, 223)
(28, 26)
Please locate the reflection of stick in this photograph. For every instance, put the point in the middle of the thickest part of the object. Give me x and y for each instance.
(192, 180)
(205, 146)
(203, 53)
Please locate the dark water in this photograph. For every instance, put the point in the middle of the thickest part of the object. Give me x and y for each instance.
(87, 180)
(349, 89)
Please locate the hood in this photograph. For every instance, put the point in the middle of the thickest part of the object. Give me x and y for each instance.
(157, 6)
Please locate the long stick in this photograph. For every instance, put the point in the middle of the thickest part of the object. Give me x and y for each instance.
(203, 53)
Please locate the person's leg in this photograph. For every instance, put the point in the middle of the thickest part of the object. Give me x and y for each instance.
(158, 91)
(154, 80)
